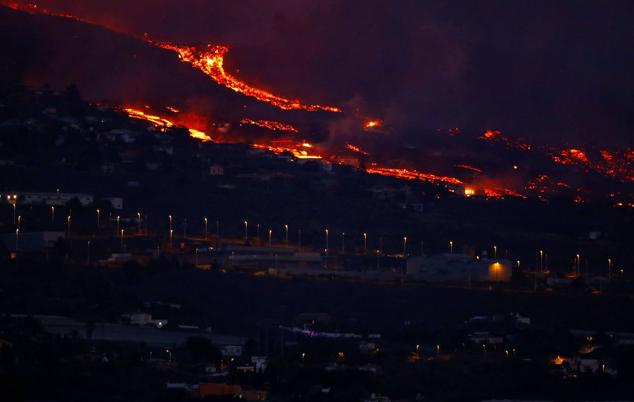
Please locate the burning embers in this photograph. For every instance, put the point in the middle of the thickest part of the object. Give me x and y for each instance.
(210, 60)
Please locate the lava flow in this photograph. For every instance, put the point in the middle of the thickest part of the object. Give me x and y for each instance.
(210, 60)
(270, 125)
(164, 123)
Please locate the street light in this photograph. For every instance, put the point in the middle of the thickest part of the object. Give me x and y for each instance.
(122, 231)
(578, 257)
(365, 243)
(495, 252)
(326, 250)
(205, 222)
(52, 214)
(171, 237)
(404, 246)
(541, 260)
(68, 226)
(17, 239)
(286, 235)
(246, 230)
(170, 219)
(270, 238)
(118, 223)
(19, 220)
(451, 247)
(138, 222)
(343, 242)
(609, 268)
(98, 217)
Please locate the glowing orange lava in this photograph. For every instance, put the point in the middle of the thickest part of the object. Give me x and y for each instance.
(210, 60)
(356, 149)
(270, 125)
(163, 123)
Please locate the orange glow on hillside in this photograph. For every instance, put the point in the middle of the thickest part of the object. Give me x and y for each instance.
(163, 123)
(270, 125)
(210, 60)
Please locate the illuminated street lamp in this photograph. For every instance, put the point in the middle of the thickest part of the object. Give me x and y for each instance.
(495, 252)
(327, 242)
(404, 246)
(13, 200)
(343, 242)
(257, 231)
(122, 231)
(541, 260)
(609, 268)
(171, 237)
(98, 218)
(451, 247)
(17, 239)
(518, 264)
(286, 234)
(138, 222)
(365, 243)
(205, 222)
(270, 238)
(19, 220)
(118, 223)
(578, 261)
(68, 226)
(246, 230)
(170, 219)
(52, 214)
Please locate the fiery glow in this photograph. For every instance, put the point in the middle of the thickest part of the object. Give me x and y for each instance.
(298, 152)
(468, 191)
(163, 123)
(410, 174)
(469, 167)
(210, 60)
(270, 125)
(356, 149)
(156, 120)
(374, 123)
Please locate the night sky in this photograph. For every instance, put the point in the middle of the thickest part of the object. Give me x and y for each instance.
(560, 72)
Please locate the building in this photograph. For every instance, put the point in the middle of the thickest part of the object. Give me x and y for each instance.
(457, 268)
(216, 170)
(30, 241)
(53, 199)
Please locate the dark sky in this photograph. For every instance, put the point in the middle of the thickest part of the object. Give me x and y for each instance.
(561, 71)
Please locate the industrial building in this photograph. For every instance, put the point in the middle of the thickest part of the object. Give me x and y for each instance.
(457, 268)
